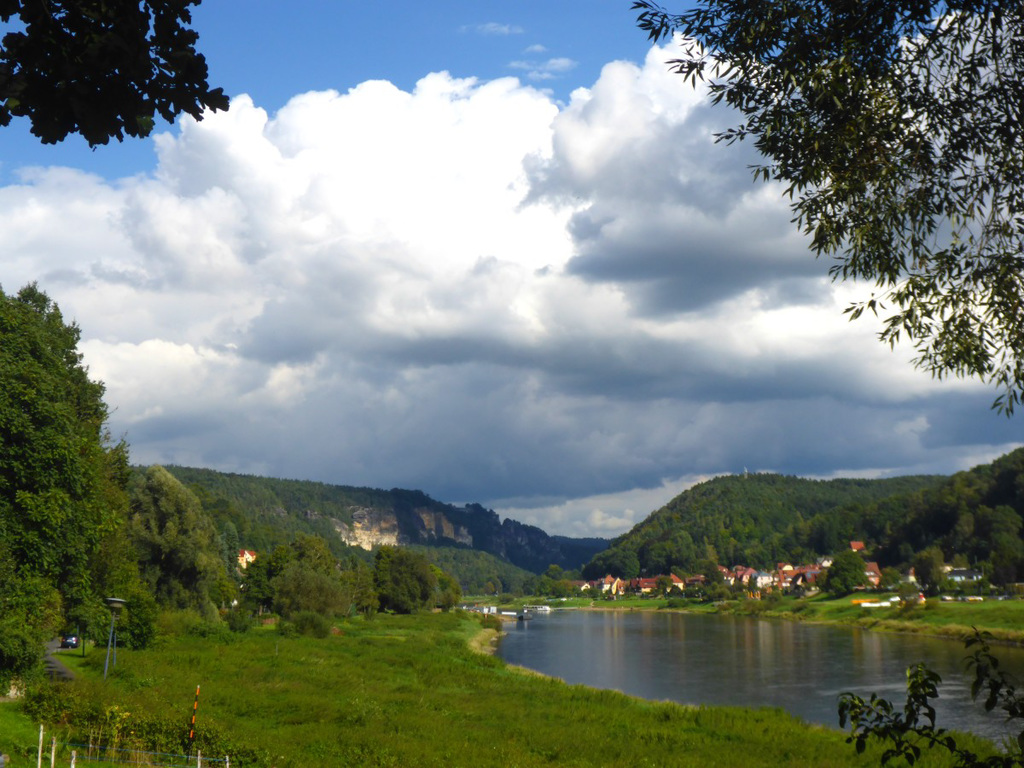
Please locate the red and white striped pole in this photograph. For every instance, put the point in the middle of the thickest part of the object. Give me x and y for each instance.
(192, 725)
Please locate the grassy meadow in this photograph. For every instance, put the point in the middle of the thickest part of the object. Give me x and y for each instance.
(396, 691)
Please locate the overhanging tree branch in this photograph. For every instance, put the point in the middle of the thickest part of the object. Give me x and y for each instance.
(896, 127)
(101, 68)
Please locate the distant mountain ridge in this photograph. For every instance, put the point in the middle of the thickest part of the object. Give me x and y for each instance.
(264, 511)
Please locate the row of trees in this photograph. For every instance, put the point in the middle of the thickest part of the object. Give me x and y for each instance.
(63, 495)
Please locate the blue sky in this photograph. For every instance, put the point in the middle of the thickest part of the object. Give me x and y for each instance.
(486, 250)
(254, 48)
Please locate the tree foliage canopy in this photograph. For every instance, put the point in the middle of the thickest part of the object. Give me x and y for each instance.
(61, 480)
(404, 579)
(845, 574)
(101, 68)
(897, 128)
(62, 486)
(176, 542)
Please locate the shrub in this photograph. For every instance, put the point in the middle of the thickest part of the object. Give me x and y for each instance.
(490, 621)
(311, 623)
(239, 621)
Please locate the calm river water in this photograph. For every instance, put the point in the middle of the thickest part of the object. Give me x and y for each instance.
(728, 660)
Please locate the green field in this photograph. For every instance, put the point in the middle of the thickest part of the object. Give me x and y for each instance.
(397, 691)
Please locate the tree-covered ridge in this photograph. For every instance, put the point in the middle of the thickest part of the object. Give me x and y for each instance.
(753, 519)
(479, 572)
(267, 512)
(974, 518)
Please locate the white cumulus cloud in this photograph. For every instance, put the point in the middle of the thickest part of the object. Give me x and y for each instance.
(470, 289)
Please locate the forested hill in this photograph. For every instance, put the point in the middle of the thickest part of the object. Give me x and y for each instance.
(266, 512)
(756, 520)
(973, 518)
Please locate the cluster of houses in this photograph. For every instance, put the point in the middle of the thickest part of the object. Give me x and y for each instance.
(784, 577)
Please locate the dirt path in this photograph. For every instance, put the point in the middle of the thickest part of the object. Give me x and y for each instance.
(55, 668)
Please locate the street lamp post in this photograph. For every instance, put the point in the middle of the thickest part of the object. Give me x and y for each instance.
(115, 604)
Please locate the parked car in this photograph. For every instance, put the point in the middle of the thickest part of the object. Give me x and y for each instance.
(69, 641)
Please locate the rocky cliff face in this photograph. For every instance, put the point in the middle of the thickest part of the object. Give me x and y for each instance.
(381, 527)
(471, 526)
(370, 528)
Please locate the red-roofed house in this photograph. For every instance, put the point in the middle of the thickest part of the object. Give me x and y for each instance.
(874, 575)
(609, 583)
(245, 556)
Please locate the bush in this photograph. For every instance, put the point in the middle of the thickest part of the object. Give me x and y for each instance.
(311, 623)
(490, 621)
(60, 703)
(137, 628)
(190, 623)
(239, 621)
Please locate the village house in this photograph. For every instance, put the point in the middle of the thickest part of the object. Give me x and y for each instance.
(608, 585)
(873, 574)
(964, 575)
(641, 586)
(245, 556)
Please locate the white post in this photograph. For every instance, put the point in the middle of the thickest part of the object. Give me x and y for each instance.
(199, 758)
(227, 761)
(73, 756)
(53, 752)
(39, 762)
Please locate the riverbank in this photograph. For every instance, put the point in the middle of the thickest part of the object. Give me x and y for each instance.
(954, 620)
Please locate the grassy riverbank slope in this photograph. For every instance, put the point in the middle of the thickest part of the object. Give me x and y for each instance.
(1003, 619)
(401, 691)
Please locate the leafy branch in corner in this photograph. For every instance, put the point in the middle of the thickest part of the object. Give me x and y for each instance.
(908, 731)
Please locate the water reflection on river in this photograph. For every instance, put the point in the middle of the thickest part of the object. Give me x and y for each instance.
(728, 660)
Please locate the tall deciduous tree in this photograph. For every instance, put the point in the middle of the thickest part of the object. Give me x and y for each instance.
(404, 580)
(897, 130)
(177, 544)
(845, 574)
(101, 68)
(929, 568)
(62, 483)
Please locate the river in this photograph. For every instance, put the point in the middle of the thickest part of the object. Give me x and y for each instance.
(739, 661)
